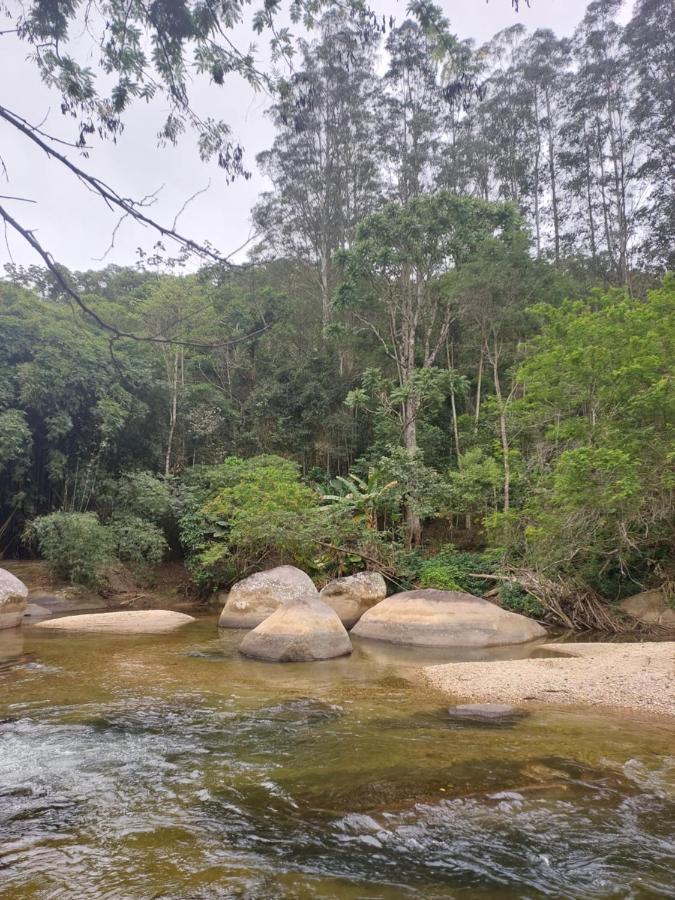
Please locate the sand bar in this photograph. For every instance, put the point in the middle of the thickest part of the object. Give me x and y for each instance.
(637, 676)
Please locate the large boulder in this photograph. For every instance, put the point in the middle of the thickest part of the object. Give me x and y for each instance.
(350, 597)
(300, 631)
(650, 607)
(255, 598)
(431, 618)
(133, 621)
(13, 599)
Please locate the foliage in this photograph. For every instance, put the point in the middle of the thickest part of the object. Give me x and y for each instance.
(513, 597)
(598, 391)
(137, 540)
(449, 569)
(76, 546)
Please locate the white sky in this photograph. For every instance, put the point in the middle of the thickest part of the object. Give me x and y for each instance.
(76, 227)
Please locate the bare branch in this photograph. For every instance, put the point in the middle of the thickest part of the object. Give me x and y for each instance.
(108, 194)
(187, 202)
(75, 297)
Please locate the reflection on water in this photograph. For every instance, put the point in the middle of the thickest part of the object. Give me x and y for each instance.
(168, 766)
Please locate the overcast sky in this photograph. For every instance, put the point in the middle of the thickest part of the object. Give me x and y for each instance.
(76, 227)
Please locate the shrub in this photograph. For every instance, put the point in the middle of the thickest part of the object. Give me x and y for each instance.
(142, 495)
(248, 513)
(138, 541)
(76, 545)
(512, 596)
(454, 570)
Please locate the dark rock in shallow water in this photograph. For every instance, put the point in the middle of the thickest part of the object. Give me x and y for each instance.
(493, 713)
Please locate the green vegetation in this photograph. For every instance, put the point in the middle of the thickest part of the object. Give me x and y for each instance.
(450, 358)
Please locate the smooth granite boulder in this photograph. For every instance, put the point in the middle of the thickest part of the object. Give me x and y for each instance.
(431, 618)
(253, 599)
(133, 621)
(350, 597)
(650, 607)
(492, 713)
(301, 631)
(13, 599)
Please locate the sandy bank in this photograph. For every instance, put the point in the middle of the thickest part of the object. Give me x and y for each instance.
(629, 676)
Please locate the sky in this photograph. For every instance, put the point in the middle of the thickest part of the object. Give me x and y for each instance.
(77, 227)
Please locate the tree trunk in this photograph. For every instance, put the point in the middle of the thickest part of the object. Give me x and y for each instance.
(478, 388)
(173, 411)
(554, 195)
(502, 427)
(413, 525)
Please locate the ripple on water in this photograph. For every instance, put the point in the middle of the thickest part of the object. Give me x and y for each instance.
(270, 792)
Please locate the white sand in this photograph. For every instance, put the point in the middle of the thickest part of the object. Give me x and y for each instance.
(627, 676)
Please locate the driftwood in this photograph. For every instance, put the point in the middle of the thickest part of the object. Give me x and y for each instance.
(567, 603)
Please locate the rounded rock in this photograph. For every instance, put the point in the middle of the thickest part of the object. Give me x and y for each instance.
(135, 621)
(431, 618)
(253, 599)
(353, 595)
(304, 630)
(13, 600)
(486, 712)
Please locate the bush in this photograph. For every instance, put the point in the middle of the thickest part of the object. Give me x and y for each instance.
(446, 570)
(138, 541)
(454, 570)
(512, 596)
(76, 545)
(248, 513)
(144, 496)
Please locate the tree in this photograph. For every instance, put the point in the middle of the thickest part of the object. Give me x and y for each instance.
(597, 408)
(648, 39)
(324, 174)
(394, 284)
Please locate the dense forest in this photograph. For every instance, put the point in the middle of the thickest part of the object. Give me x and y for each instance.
(448, 356)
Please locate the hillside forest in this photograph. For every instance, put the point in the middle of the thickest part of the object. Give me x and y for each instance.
(448, 356)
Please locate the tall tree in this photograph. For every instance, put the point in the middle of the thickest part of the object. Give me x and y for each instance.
(322, 167)
(395, 285)
(649, 40)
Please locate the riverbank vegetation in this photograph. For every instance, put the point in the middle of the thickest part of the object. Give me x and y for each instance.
(449, 356)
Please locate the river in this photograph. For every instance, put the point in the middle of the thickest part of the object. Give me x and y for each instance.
(170, 767)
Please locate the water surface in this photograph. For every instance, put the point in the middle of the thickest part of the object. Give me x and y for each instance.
(170, 767)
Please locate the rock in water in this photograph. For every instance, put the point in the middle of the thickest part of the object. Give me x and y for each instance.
(431, 618)
(13, 599)
(650, 607)
(486, 712)
(300, 631)
(255, 598)
(350, 597)
(135, 621)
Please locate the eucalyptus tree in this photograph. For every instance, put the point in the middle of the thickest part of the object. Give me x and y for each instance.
(410, 128)
(648, 38)
(601, 167)
(322, 166)
(546, 67)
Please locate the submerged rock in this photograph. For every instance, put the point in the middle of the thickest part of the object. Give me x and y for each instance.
(301, 631)
(350, 597)
(432, 618)
(136, 621)
(650, 607)
(13, 599)
(486, 712)
(253, 599)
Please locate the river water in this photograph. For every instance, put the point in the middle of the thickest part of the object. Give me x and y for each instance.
(171, 767)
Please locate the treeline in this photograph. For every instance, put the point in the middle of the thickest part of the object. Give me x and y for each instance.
(576, 131)
(450, 355)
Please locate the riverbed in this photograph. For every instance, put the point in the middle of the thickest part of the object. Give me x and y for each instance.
(170, 767)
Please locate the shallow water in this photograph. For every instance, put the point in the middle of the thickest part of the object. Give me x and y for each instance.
(170, 767)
